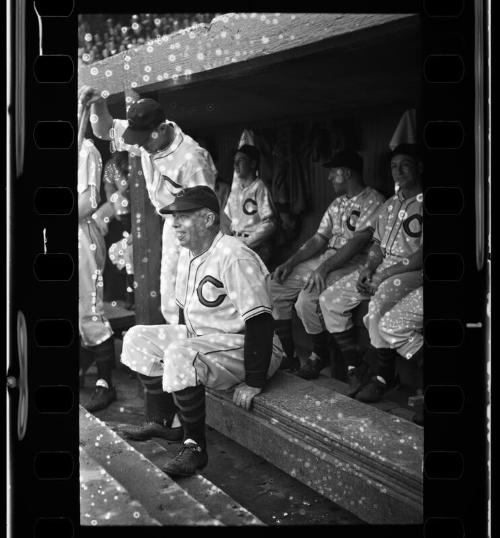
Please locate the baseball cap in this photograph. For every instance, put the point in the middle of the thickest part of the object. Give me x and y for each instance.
(347, 158)
(193, 198)
(250, 151)
(143, 117)
(407, 149)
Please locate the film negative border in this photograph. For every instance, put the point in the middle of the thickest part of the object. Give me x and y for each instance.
(456, 231)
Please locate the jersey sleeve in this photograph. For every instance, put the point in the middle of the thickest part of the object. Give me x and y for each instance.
(264, 203)
(245, 282)
(200, 169)
(325, 227)
(369, 212)
(116, 135)
(381, 223)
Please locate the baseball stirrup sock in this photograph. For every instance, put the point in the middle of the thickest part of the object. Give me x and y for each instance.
(283, 328)
(159, 405)
(387, 363)
(86, 358)
(191, 406)
(320, 346)
(348, 345)
(104, 355)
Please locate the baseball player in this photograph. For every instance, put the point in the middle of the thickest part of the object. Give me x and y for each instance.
(225, 337)
(249, 206)
(337, 248)
(171, 160)
(96, 335)
(393, 269)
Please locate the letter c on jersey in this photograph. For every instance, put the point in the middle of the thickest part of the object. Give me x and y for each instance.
(353, 218)
(214, 282)
(413, 229)
(249, 210)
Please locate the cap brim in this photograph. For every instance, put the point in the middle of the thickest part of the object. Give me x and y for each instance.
(180, 206)
(135, 137)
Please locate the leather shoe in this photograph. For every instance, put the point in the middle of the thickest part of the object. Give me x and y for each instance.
(188, 461)
(148, 430)
(373, 391)
(100, 399)
(311, 369)
(357, 378)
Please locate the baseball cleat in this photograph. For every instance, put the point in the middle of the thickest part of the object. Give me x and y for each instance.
(148, 430)
(310, 370)
(357, 378)
(373, 391)
(289, 364)
(188, 461)
(100, 399)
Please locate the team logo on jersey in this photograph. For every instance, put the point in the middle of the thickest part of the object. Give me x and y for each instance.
(353, 219)
(413, 225)
(249, 206)
(214, 282)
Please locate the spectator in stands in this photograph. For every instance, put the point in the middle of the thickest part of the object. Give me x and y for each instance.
(337, 248)
(249, 206)
(393, 269)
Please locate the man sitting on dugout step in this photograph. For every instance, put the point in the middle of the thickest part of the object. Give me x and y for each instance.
(337, 248)
(393, 269)
(225, 336)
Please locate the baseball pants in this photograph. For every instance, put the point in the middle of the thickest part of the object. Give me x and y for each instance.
(338, 301)
(402, 326)
(290, 293)
(93, 326)
(214, 360)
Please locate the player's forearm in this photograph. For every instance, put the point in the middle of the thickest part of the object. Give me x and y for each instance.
(258, 348)
(375, 257)
(347, 252)
(107, 210)
(310, 248)
(412, 263)
(104, 122)
(263, 231)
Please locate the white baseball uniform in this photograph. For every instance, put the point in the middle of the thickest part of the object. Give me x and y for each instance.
(93, 326)
(399, 234)
(218, 291)
(344, 217)
(402, 327)
(183, 164)
(250, 211)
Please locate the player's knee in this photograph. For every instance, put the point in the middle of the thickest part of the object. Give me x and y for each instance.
(133, 336)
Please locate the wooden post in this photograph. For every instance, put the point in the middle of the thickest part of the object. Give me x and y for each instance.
(147, 235)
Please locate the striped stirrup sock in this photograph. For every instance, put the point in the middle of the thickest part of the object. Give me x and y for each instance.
(159, 405)
(191, 405)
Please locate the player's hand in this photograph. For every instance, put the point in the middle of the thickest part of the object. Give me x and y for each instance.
(244, 395)
(376, 280)
(364, 281)
(316, 279)
(88, 96)
(282, 272)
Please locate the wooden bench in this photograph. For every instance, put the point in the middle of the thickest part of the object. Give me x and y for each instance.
(367, 461)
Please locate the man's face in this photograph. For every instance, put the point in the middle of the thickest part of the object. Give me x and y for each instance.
(405, 171)
(154, 142)
(243, 165)
(190, 227)
(338, 179)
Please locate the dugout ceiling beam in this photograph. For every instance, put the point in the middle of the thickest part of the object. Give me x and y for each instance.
(234, 45)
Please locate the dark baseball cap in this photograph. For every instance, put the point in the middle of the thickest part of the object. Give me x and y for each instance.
(193, 198)
(347, 159)
(411, 150)
(250, 151)
(143, 116)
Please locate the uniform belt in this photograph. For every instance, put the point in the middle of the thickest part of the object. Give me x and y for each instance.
(241, 234)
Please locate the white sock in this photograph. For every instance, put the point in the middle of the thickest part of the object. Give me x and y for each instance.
(190, 442)
(176, 423)
(382, 380)
(102, 383)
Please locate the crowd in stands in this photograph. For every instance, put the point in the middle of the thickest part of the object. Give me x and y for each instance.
(100, 36)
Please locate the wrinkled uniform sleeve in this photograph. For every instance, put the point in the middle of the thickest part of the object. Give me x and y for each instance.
(325, 227)
(267, 224)
(245, 281)
(381, 224)
(369, 212)
(116, 135)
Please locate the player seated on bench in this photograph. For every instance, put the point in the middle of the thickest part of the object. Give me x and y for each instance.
(337, 248)
(393, 269)
(249, 205)
(224, 339)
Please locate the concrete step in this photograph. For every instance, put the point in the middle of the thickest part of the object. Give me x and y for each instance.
(218, 503)
(365, 460)
(164, 501)
(104, 501)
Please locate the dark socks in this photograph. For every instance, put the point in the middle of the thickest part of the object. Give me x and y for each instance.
(104, 355)
(344, 353)
(387, 364)
(159, 406)
(283, 328)
(86, 358)
(191, 405)
(129, 296)
(320, 346)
